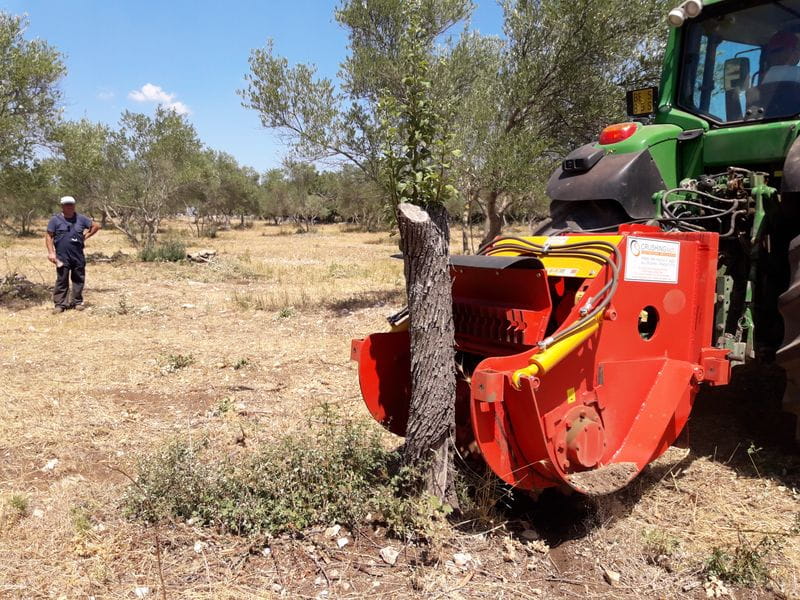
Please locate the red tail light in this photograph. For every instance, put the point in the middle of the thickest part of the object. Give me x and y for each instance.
(617, 133)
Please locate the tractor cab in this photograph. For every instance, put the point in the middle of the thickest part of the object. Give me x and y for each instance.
(739, 63)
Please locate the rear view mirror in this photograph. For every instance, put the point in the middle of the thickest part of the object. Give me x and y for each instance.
(737, 74)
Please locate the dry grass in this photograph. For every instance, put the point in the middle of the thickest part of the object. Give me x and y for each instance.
(267, 328)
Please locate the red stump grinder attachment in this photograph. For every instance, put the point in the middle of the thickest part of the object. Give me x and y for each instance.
(579, 356)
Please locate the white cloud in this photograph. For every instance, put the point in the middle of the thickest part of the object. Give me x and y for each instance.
(105, 95)
(154, 93)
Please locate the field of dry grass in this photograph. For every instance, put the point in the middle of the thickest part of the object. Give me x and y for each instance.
(248, 346)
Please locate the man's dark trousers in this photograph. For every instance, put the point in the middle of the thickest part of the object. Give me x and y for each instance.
(76, 273)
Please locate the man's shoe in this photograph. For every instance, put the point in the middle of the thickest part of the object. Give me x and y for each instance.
(79, 307)
(58, 310)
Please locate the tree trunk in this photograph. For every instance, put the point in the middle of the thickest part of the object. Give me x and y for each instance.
(494, 220)
(424, 240)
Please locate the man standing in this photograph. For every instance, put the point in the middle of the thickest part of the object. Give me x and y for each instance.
(66, 234)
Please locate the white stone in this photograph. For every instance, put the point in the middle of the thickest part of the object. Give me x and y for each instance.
(342, 542)
(50, 465)
(333, 531)
(461, 559)
(141, 591)
(389, 555)
(199, 546)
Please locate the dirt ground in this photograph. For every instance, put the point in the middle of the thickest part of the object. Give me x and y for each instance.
(266, 328)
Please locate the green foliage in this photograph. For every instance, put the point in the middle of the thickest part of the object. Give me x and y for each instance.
(747, 563)
(167, 251)
(286, 312)
(175, 362)
(241, 364)
(418, 151)
(19, 504)
(514, 105)
(338, 474)
(658, 545)
(29, 92)
(81, 519)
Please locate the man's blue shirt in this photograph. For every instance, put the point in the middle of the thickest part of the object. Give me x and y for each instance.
(68, 237)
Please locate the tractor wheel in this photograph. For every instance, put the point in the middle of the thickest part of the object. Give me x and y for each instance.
(788, 356)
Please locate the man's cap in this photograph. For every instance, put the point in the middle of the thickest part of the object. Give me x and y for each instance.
(783, 40)
(67, 200)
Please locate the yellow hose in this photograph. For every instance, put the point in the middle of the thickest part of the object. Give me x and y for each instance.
(548, 358)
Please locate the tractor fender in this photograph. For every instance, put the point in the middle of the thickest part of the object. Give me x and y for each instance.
(630, 179)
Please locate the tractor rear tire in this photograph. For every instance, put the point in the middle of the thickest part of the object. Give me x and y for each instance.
(788, 356)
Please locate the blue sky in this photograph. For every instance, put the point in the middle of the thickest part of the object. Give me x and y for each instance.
(194, 52)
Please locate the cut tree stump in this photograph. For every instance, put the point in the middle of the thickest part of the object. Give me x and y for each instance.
(424, 240)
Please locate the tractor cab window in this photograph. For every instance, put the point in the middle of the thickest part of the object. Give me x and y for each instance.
(742, 65)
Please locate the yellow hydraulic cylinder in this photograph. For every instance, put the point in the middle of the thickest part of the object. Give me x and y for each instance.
(548, 358)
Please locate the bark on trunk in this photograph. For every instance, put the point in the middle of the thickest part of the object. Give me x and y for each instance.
(494, 220)
(425, 239)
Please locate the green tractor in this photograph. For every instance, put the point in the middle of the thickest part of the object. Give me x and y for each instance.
(715, 148)
(671, 254)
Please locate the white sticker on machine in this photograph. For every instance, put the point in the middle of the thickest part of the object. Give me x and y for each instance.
(650, 260)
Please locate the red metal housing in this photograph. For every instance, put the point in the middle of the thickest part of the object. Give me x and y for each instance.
(604, 408)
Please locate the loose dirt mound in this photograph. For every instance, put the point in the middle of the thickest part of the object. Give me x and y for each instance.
(17, 292)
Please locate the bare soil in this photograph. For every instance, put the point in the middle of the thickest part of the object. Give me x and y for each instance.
(267, 330)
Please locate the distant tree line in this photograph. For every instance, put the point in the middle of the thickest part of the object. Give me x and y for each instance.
(515, 105)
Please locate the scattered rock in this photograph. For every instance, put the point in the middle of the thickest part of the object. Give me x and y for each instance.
(187, 305)
(50, 465)
(141, 591)
(202, 256)
(538, 546)
(715, 588)
(266, 551)
(277, 588)
(38, 513)
(333, 531)
(612, 577)
(690, 585)
(342, 542)
(389, 555)
(199, 546)
(461, 559)
(509, 551)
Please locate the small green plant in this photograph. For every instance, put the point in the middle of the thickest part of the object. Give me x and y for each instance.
(81, 519)
(752, 452)
(122, 305)
(168, 251)
(286, 312)
(225, 405)
(241, 364)
(176, 362)
(747, 563)
(658, 545)
(18, 503)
